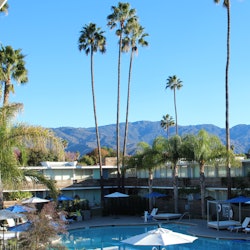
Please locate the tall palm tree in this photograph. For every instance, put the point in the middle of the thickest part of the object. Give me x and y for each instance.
(174, 83)
(120, 15)
(12, 67)
(226, 3)
(167, 122)
(90, 41)
(134, 36)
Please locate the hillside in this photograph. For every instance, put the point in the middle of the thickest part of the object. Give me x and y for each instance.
(84, 139)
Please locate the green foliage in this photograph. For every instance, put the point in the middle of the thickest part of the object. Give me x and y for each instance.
(36, 156)
(15, 140)
(12, 68)
(87, 160)
(36, 176)
(91, 158)
(19, 195)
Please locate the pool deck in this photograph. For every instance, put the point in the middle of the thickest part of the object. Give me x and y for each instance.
(198, 227)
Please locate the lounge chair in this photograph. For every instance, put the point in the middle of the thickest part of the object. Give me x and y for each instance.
(10, 222)
(67, 221)
(152, 214)
(167, 216)
(246, 230)
(242, 227)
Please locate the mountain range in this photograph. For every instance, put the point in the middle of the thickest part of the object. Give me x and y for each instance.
(83, 140)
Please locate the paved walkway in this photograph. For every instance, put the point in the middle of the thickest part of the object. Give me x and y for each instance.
(198, 227)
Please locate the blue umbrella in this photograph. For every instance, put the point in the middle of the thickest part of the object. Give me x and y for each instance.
(64, 198)
(20, 228)
(17, 209)
(239, 199)
(155, 195)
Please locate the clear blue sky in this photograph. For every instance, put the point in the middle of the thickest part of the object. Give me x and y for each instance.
(186, 38)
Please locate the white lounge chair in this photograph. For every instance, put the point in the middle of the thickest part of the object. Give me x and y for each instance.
(152, 214)
(11, 222)
(63, 218)
(243, 226)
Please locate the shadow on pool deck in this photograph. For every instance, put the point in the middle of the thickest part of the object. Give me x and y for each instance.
(198, 227)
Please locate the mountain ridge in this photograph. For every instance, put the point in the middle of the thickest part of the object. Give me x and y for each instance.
(83, 140)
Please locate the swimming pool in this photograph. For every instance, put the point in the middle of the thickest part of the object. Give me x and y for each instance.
(109, 238)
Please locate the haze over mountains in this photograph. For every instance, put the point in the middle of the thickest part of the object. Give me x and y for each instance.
(83, 140)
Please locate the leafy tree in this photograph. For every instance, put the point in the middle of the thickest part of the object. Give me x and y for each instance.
(87, 160)
(226, 4)
(91, 40)
(36, 156)
(120, 16)
(167, 122)
(12, 68)
(202, 148)
(72, 156)
(173, 82)
(92, 158)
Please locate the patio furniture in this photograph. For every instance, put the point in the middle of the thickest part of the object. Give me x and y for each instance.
(241, 227)
(63, 218)
(152, 214)
(167, 216)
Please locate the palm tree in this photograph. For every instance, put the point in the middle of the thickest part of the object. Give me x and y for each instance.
(12, 68)
(121, 14)
(92, 40)
(149, 158)
(167, 122)
(174, 83)
(20, 137)
(4, 6)
(134, 36)
(226, 3)
(202, 148)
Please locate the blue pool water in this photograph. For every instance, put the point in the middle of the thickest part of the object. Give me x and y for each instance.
(109, 238)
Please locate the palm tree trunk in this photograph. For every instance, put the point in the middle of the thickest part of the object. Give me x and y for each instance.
(96, 128)
(127, 113)
(6, 93)
(175, 186)
(175, 108)
(202, 187)
(118, 115)
(229, 184)
(150, 188)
